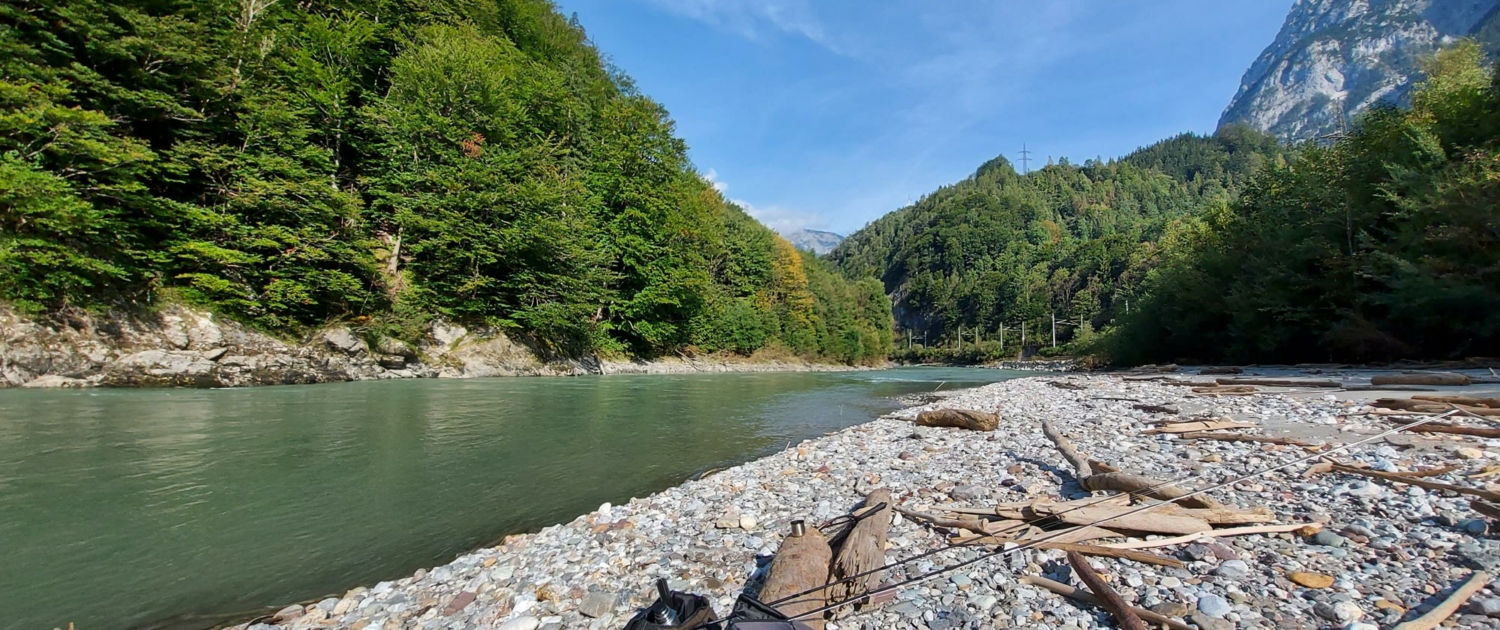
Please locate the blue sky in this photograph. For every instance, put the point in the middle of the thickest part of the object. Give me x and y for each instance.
(827, 114)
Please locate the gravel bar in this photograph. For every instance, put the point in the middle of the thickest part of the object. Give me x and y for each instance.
(1392, 552)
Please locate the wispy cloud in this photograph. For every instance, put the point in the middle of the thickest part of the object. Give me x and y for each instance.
(780, 219)
(752, 19)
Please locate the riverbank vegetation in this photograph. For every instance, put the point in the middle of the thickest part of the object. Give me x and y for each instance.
(295, 164)
(1381, 245)
(1384, 245)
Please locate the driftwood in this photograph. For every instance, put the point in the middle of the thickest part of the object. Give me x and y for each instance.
(1421, 378)
(1108, 598)
(1079, 462)
(1225, 389)
(1213, 371)
(1197, 427)
(1466, 401)
(1069, 536)
(1085, 596)
(1146, 486)
(1156, 522)
(959, 419)
(1218, 533)
(1278, 382)
(1420, 405)
(862, 549)
(1156, 409)
(800, 565)
(1240, 437)
(1420, 483)
(1449, 606)
(978, 526)
(1452, 429)
(1067, 385)
(1486, 508)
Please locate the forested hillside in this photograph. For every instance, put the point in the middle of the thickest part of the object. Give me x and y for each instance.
(381, 162)
(1385, 245)
(1074, 241)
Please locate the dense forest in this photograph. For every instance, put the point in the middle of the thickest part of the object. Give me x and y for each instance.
(1383, 245)
(382, 162)
(1001, 249)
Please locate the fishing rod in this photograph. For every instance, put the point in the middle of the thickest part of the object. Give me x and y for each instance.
(1033, 544)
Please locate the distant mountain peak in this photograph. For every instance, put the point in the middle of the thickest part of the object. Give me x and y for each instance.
(1336, 58)
(816, 241)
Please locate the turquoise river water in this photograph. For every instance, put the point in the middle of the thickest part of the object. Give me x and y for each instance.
(180, 509)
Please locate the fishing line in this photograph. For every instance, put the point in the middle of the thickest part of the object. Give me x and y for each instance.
(1033, 544)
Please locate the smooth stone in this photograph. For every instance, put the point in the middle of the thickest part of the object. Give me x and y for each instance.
(597, 605)
(1232, 569)
(1214, 606)
(1207, 622)
(1475, 526)
(1329, 539)
(1170, 609)
(521, 623)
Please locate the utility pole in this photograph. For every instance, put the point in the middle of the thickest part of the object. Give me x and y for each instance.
(976, 336)
(908, 339)
(1023, 336)
(1054, 330)
(960, 337)
(1002, 336)
(1025, 160)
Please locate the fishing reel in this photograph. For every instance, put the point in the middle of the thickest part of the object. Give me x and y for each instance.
(676, 610)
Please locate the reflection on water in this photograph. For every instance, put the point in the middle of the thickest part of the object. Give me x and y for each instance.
(127, 508)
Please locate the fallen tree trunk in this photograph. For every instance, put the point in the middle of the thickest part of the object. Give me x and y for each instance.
(862, 549)
(1147, 487)
(1278, 382)
(1420, 483)
(1156, 409)
(1085, 596)
(1467, 401)
(800, 565)
(1212, 371)
(1421, 378)
(959, 419)
(1225, 389)
(1486, 508)
(1108, 598)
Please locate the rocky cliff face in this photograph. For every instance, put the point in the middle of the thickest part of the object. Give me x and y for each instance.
(816, 241)
(180, 347)
(1339, 57)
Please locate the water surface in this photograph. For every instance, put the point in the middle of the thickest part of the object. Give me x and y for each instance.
(182, 508)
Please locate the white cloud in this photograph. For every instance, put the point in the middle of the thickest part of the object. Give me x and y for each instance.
(712, 177)
(782, 220)
(752, 18)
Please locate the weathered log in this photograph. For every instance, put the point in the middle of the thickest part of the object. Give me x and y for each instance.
(1421, 378)
(1420, 483)
(800, 564)
(1067, 385)
(1079, 462)
(1453, 429)
(1450, 605)
(1116, 517)
(1486, 508)
(1085, 596)
(1145, 486)
(1225, 389)
(978, 526)
(862, 549)
(1156, 409)
(1108, 598)
(1213, 371)
(1197, 427)
(1466, 401)
(1241, 437)
(1278, 382)
(1218, 533)
(959, 419)
(1074, 535)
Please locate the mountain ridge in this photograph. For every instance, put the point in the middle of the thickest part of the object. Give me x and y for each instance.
(819, 242)
(1333, 59)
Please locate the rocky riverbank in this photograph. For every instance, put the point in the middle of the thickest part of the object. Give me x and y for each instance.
(1385, 552)
(182, 347)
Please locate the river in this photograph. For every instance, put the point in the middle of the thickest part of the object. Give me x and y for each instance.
(179, 509)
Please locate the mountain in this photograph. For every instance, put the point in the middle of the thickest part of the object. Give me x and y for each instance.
(815, 241)
(1005, 249)
(1336, 58)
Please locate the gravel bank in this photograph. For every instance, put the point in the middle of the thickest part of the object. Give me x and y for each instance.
(1387, 548)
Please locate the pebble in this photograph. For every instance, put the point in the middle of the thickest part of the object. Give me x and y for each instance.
(521, 623)
(1232, 569)
(1214, 606)
(1329, 539)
